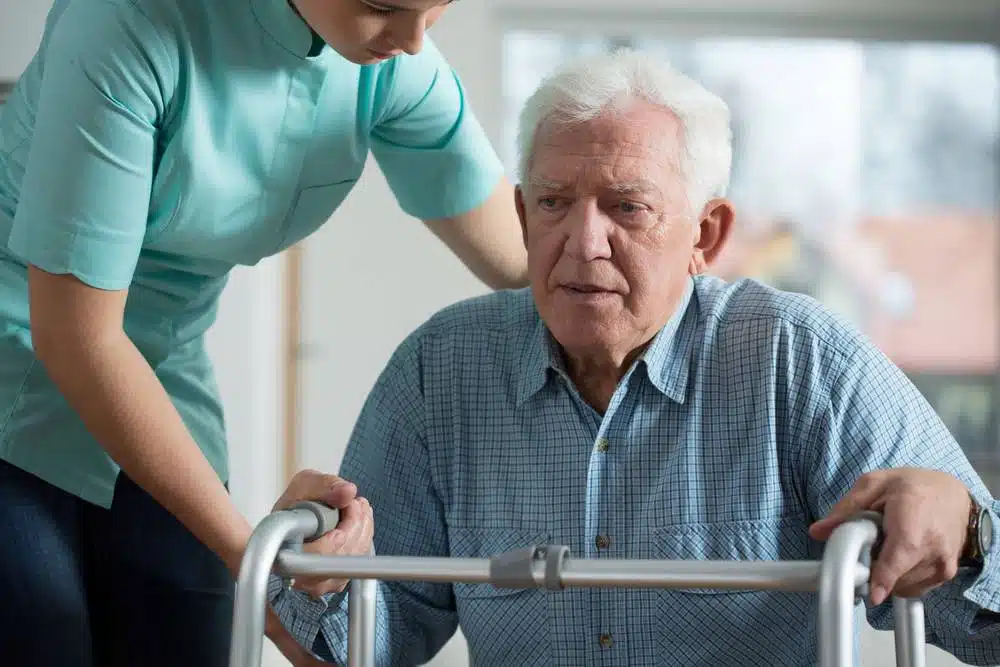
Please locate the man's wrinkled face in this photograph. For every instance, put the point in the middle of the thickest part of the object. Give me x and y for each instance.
(608, 228)
(368, 31)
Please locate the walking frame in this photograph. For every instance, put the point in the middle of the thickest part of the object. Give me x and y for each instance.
(840, 578)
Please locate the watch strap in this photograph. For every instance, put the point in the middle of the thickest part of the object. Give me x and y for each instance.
(973, 553)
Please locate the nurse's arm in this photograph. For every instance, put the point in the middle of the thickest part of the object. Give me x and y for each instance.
(79, 337)
(488, 239)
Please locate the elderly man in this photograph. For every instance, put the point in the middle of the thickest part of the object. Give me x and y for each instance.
(631, 407)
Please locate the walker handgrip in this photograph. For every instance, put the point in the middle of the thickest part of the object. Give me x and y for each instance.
(327, 518)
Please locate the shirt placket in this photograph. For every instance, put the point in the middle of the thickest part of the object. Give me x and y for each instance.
(297, 133)
(607, 522)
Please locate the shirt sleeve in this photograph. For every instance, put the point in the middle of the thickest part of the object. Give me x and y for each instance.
(84, 198)
(427, 141)
(388, 460)
(877, 419)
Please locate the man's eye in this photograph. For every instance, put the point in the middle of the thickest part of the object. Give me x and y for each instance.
(548, 202)
(629, 207)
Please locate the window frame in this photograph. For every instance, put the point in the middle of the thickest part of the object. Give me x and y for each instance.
(885, 20)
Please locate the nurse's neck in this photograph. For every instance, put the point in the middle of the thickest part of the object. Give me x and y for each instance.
(317, 42)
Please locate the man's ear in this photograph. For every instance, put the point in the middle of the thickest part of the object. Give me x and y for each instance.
(714, 226)
(519, 205)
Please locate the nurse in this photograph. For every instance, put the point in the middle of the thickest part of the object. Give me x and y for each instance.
(149, 147)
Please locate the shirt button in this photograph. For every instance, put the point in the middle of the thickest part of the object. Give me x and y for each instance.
(602, 541)
(603, 445)
(606, 641)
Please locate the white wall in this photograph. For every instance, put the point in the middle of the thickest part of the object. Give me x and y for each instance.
(21, 26)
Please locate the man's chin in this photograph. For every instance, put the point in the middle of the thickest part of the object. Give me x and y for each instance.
(582, 333)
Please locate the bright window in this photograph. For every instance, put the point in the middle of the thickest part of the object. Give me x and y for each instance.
(865, 174)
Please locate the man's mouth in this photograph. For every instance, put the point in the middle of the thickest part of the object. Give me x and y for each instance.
(585, 288)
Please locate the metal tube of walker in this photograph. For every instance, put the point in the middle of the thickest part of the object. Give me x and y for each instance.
(838, 578)
(908, 615)
(837, 591)
(583, 573)
(250, 605)
(837, 600)
(361, 607)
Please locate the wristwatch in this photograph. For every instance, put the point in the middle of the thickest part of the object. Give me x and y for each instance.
(979, 536)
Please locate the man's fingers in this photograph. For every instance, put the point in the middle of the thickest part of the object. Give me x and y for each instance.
(352, 517)
(369, 524)
(898, 557)
(354, 528)
(313, 485)
(329, 544)
(918, 581)
(361, 518)
(351, 537)
(340, 493)
(865, 495)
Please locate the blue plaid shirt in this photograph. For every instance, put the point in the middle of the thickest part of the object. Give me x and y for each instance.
(751, 413)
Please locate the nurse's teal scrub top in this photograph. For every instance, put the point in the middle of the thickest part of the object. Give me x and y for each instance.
(155, 144)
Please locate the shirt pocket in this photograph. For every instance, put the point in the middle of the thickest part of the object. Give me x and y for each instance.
(741, 626)
(503, 626)
(767, 539)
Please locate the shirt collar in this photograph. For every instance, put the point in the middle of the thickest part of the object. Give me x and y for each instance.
(541, 355)
(279, 20)
(667, 359)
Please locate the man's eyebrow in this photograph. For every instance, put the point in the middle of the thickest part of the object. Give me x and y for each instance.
(539, 183)
(634, 187)
(640, 186)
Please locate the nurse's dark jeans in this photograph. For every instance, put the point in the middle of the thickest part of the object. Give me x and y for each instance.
(82, 586)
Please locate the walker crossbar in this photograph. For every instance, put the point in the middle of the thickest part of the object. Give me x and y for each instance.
(840, 579)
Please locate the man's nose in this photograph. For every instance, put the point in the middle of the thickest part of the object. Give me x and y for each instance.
(589, 232)
(408, 33)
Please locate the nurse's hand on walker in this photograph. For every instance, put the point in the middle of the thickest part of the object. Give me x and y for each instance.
(354, 534)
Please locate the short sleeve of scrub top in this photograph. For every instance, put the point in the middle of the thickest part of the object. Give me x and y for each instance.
(433, 151)
(85, 195)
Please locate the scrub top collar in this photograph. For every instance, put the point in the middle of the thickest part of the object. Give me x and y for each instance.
(279, 20)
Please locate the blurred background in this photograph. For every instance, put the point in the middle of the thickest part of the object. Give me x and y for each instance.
(866, 174)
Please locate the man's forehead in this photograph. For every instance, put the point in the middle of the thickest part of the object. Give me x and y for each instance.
(623, 171)
(625, 183)
(636, 126)
(625, 157)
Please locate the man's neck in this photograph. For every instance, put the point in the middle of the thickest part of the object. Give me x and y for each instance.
(596, 375)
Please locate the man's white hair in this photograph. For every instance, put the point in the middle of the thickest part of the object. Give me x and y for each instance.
(591, 86)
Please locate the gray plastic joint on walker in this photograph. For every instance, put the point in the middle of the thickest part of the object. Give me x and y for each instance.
(327, 518)
(514, 569)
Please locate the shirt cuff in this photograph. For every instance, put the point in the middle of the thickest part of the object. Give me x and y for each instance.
(299, 612)
(984, 590)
